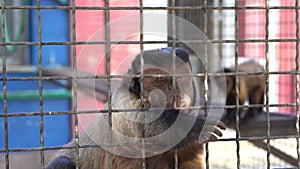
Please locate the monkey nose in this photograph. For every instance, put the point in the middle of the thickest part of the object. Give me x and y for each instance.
(157, 98)
(185, 100)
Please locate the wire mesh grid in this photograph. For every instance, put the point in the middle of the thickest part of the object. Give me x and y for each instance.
(287, 142)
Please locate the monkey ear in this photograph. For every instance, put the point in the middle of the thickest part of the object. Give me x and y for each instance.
(134, 82)
(130, 71)
(182, 53)
(230, 79)
(135, 86)
(228, 70)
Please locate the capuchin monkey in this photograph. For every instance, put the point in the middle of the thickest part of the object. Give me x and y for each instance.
(251, 88)
(159, 101)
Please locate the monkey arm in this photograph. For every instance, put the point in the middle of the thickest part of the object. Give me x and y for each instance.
(61, 162)
(204, 129)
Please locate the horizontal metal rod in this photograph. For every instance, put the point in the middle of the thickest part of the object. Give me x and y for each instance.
(102, 42)
(45, 113)
(6, 7)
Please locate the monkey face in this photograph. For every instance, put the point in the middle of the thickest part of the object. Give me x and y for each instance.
(161, 92)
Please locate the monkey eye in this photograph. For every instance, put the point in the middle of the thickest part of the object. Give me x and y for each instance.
(161, 78)
(170, 87)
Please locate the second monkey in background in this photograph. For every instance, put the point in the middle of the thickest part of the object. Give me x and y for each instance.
(251, 88)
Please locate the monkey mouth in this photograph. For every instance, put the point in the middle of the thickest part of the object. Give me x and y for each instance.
(201, 131)
(168, 118)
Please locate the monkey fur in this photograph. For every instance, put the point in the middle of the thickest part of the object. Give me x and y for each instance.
(251, 88)
(189, 150)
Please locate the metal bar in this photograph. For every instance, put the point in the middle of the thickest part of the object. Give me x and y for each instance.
(64, 74)
(141, 38)
(297, 84)
(267, 84)
(138, 143)
(60, 76)
(42, 153)
(6, 136)
(291, 117)
(152, 8)
(74, 81)
(206, 77)
(173, 44)
(236, 86)
(150, 42)
(109, 92)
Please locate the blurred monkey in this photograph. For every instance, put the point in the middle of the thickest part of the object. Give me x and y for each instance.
(251, 88)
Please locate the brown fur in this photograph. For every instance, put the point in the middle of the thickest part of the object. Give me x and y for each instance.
(189, 150)
(251, 88)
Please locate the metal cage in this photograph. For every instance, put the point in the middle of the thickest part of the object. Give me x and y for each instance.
(46, 97)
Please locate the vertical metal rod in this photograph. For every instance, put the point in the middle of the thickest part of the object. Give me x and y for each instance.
(206, 59)
(74, 82)
(173, 22)
(174, 51)
(206, 78)
(267, 83)
(108, 57)
(142, 79)
(297, 79)
(40, 66)
(173, 30)
(237, 117)
(141, 38)
(4, 84)
(176, 159)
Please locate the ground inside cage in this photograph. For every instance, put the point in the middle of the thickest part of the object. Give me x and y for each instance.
(271, 126)
(228, 153)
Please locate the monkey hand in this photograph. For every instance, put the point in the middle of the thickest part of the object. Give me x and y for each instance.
(211, 130)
